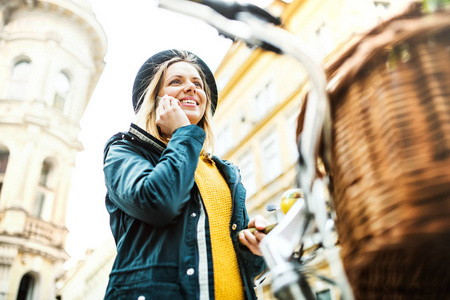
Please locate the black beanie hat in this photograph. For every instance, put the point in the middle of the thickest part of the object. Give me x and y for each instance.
(147, 71)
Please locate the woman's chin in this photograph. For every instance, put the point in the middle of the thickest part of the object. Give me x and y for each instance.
(193, 119)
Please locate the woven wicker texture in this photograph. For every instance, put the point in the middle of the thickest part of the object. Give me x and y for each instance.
(391, 159)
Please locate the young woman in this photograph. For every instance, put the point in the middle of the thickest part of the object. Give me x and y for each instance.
(175, 209)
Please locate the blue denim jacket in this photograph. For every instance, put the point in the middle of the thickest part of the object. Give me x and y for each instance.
(158, 221)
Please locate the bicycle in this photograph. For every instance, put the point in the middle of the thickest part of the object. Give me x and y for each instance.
(257, 28)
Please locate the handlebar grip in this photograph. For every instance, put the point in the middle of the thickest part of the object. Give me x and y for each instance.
(266, 230)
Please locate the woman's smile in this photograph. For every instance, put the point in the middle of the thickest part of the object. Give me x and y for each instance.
(189, 101)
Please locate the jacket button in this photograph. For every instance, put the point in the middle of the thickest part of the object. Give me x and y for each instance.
(193, 215)
(234, 227)
(190, 271)
(141, 298)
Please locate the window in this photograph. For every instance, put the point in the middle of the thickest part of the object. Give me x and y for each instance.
(265, 100)
(382, 9)
(62, 87)
(323, 295)
(4, 158)
(291, 129)
(44, 195)
(43, 181)
(20, 75)
(27, 288)
(224, 140)
(247, 166)
(384, 5)
(325, 40)
(271, 160)
(38, 204)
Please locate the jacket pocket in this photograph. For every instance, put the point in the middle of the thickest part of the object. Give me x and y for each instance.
(147, 291)
(155, 282)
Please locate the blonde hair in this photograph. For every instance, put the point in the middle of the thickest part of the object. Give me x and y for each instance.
(146, 115)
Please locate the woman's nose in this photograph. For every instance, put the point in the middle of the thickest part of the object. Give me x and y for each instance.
(190, 86)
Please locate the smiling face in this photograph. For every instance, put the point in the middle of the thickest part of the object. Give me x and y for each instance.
(183, 82)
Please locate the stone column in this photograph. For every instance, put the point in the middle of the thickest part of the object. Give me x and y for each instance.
(7, 256)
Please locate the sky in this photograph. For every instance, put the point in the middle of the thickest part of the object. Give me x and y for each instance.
(135, 30)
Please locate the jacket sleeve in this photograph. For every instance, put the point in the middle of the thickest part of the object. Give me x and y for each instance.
(154, 192)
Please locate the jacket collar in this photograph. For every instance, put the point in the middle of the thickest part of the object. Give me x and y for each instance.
(145, 137)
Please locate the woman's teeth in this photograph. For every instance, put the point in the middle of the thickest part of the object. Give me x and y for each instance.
(188, 101)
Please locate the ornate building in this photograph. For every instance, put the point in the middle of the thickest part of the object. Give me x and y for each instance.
(51, 57)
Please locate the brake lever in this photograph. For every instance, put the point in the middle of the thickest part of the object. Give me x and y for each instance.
(231, 10)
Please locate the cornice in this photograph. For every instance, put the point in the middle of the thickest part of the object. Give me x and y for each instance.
(51, 121)
(33, 247)
(84, 19)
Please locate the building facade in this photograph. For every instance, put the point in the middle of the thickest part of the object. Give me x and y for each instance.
(89, 279)
(51, 57)
(261, 95)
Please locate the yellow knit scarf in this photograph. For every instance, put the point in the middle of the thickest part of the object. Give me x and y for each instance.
(217, 200)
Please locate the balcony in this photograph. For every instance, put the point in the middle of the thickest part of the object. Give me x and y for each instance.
(17, 223)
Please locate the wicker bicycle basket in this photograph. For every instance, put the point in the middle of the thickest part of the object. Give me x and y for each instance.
(391, 158)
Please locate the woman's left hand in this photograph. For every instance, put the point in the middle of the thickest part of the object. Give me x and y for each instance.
(252, 240)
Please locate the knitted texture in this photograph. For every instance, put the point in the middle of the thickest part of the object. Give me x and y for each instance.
(217, 200)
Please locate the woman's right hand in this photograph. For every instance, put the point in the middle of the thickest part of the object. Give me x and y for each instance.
(169, 115)
(252, 240)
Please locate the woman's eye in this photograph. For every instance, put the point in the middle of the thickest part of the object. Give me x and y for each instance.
(175, 81)
(198, 84)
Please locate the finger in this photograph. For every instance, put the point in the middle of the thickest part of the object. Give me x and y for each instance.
(162, 105)
(249, 240)
(260, 222)
(158, 113)
(252, 240)
(160, 98)
(259, 236)
(246, 239)
(166, 102)
(174, 102)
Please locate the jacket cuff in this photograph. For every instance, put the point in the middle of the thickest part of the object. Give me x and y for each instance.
(191, 131)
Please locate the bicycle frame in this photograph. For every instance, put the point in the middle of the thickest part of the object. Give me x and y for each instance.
(278, 246)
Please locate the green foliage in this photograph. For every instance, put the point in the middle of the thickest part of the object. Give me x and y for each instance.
(433, 5)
